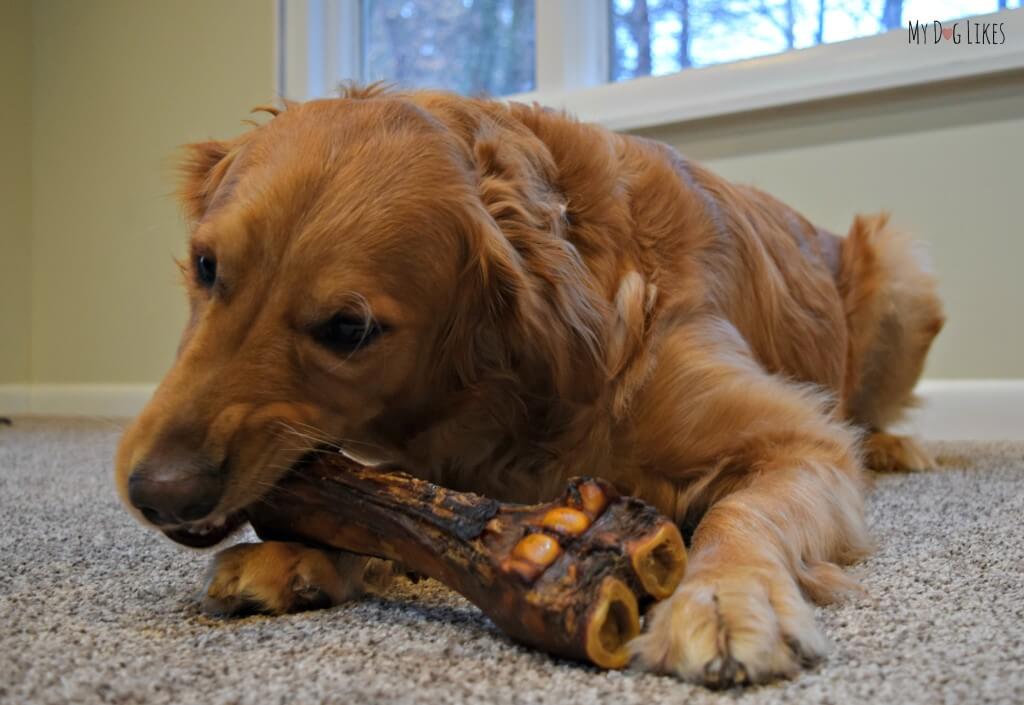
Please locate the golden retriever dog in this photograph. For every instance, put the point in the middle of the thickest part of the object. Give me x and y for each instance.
(496, 297)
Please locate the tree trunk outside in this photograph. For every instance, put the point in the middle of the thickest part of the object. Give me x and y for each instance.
(640, 26)
(483, 67)
(684, 34)
(790, 22)
(892, 14)
(819, 35)
(517, 64)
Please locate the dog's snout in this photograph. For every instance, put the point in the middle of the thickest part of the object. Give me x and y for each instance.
(169, 493)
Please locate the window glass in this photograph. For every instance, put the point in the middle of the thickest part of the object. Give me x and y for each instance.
(657, 37)
(474, 47)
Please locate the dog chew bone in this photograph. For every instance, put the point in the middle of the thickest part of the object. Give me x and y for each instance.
(568, 577)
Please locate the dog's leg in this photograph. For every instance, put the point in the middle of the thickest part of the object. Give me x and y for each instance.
(276, 577)
(888, 452)
(777, 490)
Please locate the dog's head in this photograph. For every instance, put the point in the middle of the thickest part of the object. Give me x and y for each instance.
(362, 273)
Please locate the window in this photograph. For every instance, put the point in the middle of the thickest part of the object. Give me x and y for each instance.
(659, 37)
(472, 47)
(634, 63)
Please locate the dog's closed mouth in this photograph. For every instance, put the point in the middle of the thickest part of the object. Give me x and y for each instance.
(212, 530)
(208, 532)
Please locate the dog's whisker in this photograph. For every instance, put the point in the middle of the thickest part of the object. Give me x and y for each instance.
(300, 434)
(318, 437)
(315, 435)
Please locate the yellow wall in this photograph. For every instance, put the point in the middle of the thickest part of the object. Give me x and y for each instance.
(15, 196)
(945, 161)
(118, 86)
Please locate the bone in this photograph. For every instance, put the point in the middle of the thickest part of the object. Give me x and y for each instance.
(569, 577)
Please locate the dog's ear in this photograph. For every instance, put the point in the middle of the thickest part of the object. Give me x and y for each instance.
(542, 319)
(203, 171)
(551, 327)
(206, 169)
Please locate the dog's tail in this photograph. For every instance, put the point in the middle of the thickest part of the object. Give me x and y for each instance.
(893, 313)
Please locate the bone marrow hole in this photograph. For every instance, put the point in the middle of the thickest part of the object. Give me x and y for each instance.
(615, 620)
(615, 626)
(660, 561)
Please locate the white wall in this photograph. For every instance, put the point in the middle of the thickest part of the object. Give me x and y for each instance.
(944, 160)
(118, 86)
(15, 194)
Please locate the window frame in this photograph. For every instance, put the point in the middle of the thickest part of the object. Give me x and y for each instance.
(323, 38)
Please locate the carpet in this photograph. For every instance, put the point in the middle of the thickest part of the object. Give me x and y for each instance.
(95, 609)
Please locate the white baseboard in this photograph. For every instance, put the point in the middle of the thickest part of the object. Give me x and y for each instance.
(113, 400)
(14, 399)
(958, 409)
(968, 409)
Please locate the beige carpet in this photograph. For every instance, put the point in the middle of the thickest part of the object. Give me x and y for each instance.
(94, 609)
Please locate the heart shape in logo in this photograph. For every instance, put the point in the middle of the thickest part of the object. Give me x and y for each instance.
(947, 33)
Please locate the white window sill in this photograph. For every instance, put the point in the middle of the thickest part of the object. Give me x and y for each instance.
(884, 62)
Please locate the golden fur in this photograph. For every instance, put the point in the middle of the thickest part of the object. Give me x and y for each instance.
(559, 300)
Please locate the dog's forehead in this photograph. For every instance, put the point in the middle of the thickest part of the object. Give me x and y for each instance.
(338, 192)
(347, 169)
(351, 138)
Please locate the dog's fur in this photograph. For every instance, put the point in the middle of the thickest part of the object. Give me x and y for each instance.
(557, 300)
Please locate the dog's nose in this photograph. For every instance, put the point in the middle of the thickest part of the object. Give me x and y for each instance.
(174, 493)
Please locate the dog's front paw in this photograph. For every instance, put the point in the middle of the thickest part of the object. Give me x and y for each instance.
(275, 577)
(731, 627)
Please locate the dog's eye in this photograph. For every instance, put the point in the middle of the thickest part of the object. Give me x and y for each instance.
(206, 270)
(346, 333)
